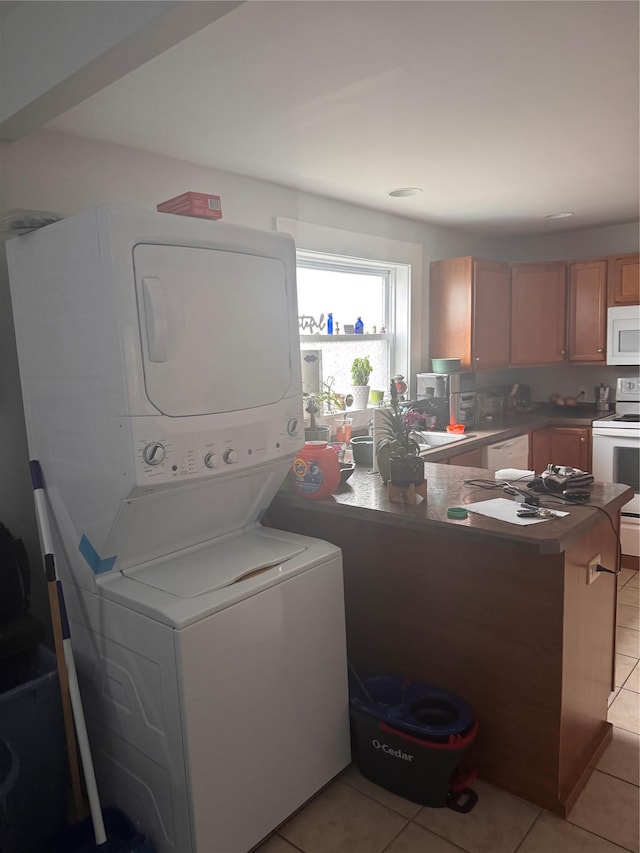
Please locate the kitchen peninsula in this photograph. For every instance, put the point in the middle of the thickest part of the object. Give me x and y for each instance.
(500, 614)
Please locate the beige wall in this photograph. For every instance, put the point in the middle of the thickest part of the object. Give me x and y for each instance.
(575, 245)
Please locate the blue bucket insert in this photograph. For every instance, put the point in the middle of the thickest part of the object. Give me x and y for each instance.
(425, 711)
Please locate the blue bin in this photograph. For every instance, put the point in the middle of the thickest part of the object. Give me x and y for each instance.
(33, 764)
(410, 738)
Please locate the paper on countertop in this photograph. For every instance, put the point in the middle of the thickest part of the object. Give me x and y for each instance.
(514, 474)
(505, 510)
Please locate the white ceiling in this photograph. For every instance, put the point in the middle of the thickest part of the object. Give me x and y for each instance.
(502, 112)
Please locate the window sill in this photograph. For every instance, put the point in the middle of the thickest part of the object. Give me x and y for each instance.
(326, 338)
(360, 418)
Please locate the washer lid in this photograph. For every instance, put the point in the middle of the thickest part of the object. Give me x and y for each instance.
(216, 565)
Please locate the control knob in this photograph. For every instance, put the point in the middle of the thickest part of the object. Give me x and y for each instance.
(230, 456)
(211, 460)
(154, 453)
(292, 426)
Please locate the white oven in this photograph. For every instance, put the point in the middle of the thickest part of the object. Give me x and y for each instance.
(616, 456)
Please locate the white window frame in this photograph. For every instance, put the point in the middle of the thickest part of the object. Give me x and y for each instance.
(335, 263)
(407, 258)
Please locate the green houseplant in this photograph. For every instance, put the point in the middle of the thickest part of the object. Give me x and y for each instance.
(360, 372)
(396, 452)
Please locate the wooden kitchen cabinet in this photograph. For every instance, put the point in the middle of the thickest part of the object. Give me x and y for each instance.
(469, 310)
(538, 313)
(624, 279)
(540, 449)
(471, 458)
(561, 446)
(587, 307)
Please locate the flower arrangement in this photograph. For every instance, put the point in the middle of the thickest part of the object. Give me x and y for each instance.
(414, 420)
(396, 439)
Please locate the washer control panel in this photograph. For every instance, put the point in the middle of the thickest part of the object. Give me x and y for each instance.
(165, 453)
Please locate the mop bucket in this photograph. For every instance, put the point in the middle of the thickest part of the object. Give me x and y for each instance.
(411, 738)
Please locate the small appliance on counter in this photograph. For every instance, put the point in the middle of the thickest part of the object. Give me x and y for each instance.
(490, 404)
(602, 396)
(519, 398)
(449, 397)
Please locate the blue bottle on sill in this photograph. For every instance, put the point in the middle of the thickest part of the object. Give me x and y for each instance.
(359, 327)
(329, 323)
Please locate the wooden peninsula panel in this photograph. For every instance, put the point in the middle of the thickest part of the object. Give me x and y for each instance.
(518, 633)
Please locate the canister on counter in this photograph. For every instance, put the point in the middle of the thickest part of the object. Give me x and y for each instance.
(315, 472)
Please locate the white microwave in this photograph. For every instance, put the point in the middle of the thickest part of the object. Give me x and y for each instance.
(623, 335)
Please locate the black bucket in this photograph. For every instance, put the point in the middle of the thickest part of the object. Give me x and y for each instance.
(410, 738)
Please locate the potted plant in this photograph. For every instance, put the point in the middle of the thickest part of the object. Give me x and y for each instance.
(396, 452)
(316, 404)
(314, 432)
(360, 373)
(329, 397)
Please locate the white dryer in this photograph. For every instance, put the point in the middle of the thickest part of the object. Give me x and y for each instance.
(161, 379)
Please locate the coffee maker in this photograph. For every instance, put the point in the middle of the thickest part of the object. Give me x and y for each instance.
(449, 397)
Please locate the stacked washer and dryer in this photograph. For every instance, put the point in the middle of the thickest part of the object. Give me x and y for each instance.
(160, 370)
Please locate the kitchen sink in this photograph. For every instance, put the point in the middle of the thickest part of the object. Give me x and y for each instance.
(429, 440)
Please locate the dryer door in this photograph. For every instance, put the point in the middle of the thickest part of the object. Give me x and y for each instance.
(213, 329)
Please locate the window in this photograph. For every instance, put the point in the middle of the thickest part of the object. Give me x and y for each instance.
(395, 265)
(350, 289)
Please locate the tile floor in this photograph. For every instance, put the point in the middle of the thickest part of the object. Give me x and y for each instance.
(352, 815)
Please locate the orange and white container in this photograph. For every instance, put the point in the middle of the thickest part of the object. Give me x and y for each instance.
(315, 472)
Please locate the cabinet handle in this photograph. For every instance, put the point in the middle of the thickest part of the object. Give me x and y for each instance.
(582, 439)
(563, 352)
(600, 349)
(477, 358)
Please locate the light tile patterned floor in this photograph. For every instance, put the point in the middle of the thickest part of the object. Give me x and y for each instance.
(352, 815)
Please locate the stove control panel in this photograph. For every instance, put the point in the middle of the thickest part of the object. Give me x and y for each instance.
(628, 389)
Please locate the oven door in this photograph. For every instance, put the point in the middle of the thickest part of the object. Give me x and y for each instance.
(616, 459)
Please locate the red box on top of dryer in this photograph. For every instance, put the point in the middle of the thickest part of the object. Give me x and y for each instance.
(193, 204)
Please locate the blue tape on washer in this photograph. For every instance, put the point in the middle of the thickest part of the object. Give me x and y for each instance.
(96, 564)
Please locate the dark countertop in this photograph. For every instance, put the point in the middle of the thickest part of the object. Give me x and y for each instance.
(364, 495)
(518, 423)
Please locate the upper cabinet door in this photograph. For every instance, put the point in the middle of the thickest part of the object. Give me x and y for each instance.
(624, 280)
(588, 311)
(538, 313)
(469, 303)
(491, 314)
(450, 287)
(213, 329)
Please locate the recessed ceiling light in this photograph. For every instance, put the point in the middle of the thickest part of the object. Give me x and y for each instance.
(559, 215)
(403, 192)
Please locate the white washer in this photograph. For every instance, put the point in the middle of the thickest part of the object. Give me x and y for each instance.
(160, 368)
(257, 723)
